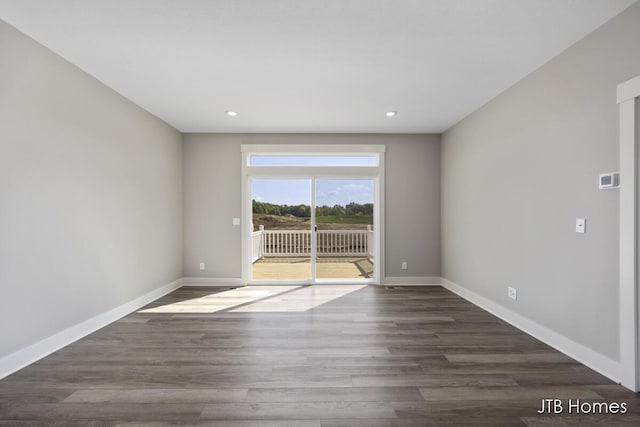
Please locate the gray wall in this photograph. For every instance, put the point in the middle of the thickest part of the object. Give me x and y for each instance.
(212, 197)
(90, 213)
(519, 171)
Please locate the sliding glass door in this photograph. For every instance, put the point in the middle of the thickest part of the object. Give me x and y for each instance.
(344, 210)
(312, 230)
(281, 230)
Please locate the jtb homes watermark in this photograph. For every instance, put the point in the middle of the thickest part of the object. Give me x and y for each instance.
(557, 406)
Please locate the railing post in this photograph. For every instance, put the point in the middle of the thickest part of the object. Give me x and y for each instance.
(262, 238)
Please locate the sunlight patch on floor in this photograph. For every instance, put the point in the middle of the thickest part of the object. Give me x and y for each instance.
(259, 299)
(302, 299)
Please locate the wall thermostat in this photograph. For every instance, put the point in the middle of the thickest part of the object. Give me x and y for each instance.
(609, 180)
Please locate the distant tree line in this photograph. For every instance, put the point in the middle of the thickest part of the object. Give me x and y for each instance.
(304, 211)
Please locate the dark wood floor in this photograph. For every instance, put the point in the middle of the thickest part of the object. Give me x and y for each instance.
(307, 356)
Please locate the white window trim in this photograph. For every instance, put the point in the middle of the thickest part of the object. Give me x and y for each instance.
(320, 149)
(318, 172)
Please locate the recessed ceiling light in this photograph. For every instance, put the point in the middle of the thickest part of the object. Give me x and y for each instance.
(391, 113)
(231, 113)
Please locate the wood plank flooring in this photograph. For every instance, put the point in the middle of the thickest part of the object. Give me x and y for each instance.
(307, 356)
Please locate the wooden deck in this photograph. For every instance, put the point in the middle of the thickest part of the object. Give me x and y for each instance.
(300, 268)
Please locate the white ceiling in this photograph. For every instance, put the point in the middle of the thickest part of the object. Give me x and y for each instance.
(309, 65)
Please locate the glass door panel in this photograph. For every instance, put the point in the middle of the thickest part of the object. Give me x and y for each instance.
(344, 228)
(281, 238)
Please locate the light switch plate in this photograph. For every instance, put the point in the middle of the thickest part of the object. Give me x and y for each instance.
(581, 225)
(235, 221)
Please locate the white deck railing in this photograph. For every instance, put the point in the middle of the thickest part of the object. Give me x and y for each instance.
(297, 243)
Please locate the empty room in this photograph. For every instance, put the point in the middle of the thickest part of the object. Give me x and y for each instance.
(319, 213)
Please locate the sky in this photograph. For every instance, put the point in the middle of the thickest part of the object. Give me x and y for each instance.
(298, 191)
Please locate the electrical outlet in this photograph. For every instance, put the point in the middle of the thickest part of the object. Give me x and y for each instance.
(404, 265)
(202, 266)
(512, 293)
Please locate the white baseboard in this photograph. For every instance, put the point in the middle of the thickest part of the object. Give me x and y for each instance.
(608, 367)
(28, 355)
(212, 281)
(412, 281)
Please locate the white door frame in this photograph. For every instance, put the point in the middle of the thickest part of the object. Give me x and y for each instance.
(336, 172)
(628, 102)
